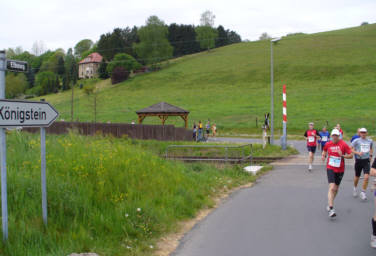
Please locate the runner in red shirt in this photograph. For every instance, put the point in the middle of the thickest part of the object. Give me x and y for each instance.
(311, 135)
(337, 150)
(338, 127)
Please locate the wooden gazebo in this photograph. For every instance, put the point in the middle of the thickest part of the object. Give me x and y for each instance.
(163, 110)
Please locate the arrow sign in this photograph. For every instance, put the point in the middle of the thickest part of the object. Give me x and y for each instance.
(26, 113)
(17, 66)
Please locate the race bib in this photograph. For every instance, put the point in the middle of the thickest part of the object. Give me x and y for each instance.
(324, 138)
(311, 139)
(335, 161)
(364, 148)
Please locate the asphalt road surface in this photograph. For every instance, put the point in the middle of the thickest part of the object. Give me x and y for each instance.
(284, 214)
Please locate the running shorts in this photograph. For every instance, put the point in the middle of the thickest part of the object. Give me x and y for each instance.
(311, 149)
(362, 164)
(334, 177)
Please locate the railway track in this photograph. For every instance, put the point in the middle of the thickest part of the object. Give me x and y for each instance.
(232, 160)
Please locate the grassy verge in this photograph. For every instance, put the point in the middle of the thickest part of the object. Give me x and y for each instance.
(105, 195)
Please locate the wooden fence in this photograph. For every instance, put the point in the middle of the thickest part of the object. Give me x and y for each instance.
(134, 131)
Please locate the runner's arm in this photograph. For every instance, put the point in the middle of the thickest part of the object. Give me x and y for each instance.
(371, 152)
(323, 154)
(348, 153)
(373, 169)
(355, 152)
(305, 134)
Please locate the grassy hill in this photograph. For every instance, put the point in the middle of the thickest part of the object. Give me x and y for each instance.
(330, 76)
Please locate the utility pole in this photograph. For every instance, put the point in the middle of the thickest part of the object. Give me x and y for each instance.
(272, 41)
(72, 102)
(271, 95)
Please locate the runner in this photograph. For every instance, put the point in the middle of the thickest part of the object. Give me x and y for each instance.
(338, 127)
(356, 136)
(214, 130)
(324, 137)
(194, 131)
(199, 138)
(207, 129)
(373, 221)
(336, 150)
(311, 136)
(362, 149)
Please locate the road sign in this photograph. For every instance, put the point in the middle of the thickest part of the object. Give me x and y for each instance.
(26, 113)
(17, 66)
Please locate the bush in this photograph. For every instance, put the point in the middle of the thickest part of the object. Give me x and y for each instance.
(123, 60)
(16, 84)
(119, 74)
(36, 91)
(102, 70)
(48, 82)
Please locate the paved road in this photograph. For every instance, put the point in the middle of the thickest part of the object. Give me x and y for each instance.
(284, 214)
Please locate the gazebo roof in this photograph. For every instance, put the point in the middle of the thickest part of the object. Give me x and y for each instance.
(162, 108)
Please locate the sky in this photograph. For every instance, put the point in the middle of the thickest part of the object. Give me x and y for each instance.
(63, 23)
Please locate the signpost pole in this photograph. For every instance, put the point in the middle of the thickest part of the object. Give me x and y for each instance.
(43, 172)
(3, 148)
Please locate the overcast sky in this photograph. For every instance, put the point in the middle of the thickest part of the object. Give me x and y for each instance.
(62, 23)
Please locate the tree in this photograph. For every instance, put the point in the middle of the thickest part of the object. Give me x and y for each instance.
(364, 23)
(183, 39)
(60, 69)
(46, 82)
(234, 37)
(265, 36)
(206, 36)
(82, 46)
(10, 54)
(154, 45)
(222, 39)
(55, 63)
(70, 75)
(16, 84)
(119, 41)
(123, 60)
(38, 48)
(102, 70)
(119, 74)
(207, 19)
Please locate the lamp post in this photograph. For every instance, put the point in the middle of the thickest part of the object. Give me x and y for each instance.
(272, 41)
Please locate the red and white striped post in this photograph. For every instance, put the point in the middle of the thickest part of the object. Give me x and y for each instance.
(284, 111)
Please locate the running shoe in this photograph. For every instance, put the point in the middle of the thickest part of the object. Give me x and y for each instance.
(363, 195)
(373, 241)
(332, 213)
(310, 168)
(355, 192)
(328, 208)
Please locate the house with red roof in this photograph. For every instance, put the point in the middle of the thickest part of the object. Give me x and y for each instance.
(88, 67)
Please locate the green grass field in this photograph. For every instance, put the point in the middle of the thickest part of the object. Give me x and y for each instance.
(330, 76)
(105, 195)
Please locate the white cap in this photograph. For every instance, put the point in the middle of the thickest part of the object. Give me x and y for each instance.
(335, 132)
(362, 130)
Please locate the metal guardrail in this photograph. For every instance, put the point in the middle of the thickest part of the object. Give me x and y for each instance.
(226, 158)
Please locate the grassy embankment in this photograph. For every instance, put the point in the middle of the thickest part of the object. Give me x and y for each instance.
(106, 195)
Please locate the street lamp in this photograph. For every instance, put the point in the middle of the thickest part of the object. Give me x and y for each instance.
(272, 41)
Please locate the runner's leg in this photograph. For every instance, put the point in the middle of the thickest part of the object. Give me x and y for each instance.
(333, 189)
(365, 181)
